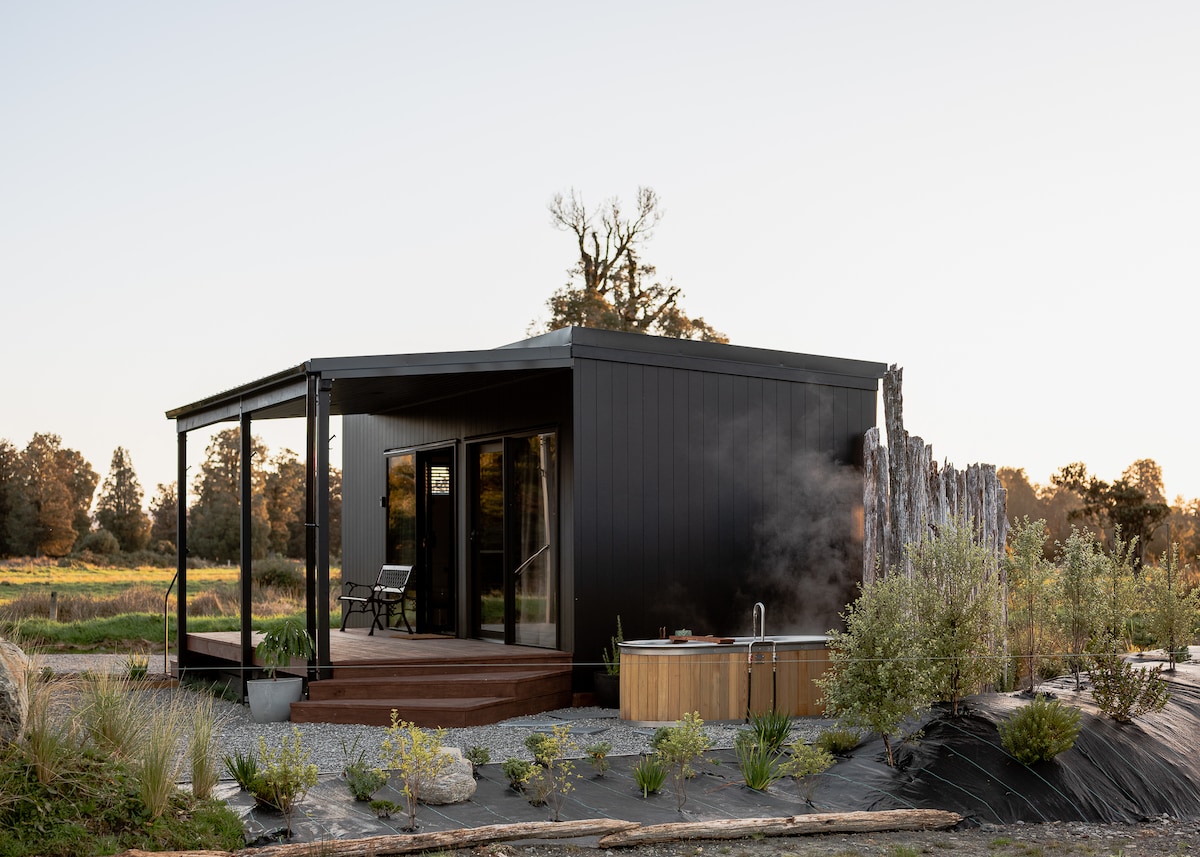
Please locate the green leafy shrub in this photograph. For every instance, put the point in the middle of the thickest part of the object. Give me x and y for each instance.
(363, 780)
(756, 761)
(100, 542)
(243, 767)
(679, 748)
(612, 658)
(416, 755)
(803, 763)
(1040, 730)
(477, 756)
(838, 740)
(649, 775)
(279, 573)
(517, 771)
(284, 775)
(598, 755)
(771, 729)
(383, 808)
(1124, 691)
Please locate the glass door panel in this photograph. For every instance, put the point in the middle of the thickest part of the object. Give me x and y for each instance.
(535, 584)
(490, 608)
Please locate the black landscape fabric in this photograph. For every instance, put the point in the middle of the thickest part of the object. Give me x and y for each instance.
(1116, 772)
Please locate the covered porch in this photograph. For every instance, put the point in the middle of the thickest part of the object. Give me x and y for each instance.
(431, 680)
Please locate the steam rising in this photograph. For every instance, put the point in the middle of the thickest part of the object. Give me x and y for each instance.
(808, 550)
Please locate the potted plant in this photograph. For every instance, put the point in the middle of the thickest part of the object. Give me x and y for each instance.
(271, 698)
(607, 683)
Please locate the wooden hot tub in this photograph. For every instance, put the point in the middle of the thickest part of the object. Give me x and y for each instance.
(661, 680)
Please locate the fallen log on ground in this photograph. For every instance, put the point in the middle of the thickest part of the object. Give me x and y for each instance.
(796, 825)
(407, 843)
(614, 833)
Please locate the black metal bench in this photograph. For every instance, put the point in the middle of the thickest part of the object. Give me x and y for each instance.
(380, 598)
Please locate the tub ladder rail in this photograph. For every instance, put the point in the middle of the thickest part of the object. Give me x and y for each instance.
(750, 672)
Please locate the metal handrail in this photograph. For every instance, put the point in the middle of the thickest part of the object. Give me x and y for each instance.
(536, 554)
(166, 628)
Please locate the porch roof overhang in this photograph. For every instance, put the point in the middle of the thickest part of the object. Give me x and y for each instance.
(382, 384)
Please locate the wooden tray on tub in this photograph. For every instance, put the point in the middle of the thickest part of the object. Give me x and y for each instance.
(701, 638)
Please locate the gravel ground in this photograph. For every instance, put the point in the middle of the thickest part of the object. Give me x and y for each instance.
(330, 743)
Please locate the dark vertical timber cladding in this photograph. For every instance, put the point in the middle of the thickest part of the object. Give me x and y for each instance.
(649, 415)
(629, 471)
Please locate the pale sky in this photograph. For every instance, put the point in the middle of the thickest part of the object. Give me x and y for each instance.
(1002, 198)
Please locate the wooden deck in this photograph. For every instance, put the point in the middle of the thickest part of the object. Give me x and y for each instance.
(429, 680)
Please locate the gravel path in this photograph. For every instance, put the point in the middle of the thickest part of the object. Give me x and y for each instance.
(332, 744)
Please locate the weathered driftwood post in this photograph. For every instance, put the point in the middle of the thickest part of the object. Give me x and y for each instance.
(906, 497)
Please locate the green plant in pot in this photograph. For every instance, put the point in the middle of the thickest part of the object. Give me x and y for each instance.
(607, 682)
(271, 698)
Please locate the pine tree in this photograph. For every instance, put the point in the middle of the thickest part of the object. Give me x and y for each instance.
(215, 528)
(119, 506)
(164, 515)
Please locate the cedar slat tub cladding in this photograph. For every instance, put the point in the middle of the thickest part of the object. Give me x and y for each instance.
(661, 680)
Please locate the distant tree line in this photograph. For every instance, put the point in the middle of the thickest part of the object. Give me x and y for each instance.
(1134, 504)
(50, 505)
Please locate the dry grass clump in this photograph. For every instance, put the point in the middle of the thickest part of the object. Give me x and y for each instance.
(138, 598)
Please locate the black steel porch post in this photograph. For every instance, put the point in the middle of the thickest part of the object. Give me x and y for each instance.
(247, 543)
(310, 511)
(181, 549)
(325, 662)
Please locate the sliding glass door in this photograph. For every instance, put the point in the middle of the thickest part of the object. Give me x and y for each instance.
(513, 539)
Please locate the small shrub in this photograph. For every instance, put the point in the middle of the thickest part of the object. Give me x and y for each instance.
(416, 755)
(517, 771)
(364, 780)
(284, 775)
(553, 775)
(1040, 730)
(383, 808)
(100, 542)
(1123, 691)
(680, 746)
(803, 763)
(771, 729)
(839, 740)
(756, 761)
(541, 745)
(243, 767)
(477, 756)
(649, 775)
(598, 755)
(612, 658)
(278, 573)
(137, 665)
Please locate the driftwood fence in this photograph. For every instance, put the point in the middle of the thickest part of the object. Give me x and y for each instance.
(906, 496)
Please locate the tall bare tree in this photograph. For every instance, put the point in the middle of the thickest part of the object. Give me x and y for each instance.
(610, 286)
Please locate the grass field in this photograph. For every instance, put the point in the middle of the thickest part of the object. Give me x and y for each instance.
(112, 609)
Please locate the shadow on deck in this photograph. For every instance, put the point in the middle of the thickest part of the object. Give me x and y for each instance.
(429, 680)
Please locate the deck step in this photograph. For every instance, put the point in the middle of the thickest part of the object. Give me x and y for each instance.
(427, 713)
(375, 670)
(506, 682)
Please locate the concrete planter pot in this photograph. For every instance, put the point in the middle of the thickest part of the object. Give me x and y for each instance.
(271, 698)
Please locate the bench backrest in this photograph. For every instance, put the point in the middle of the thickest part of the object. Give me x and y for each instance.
(393, 578)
